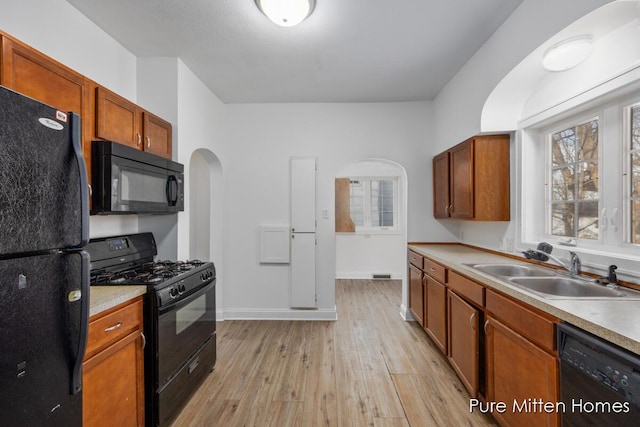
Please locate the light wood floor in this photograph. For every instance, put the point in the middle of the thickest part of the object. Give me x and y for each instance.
(369, 368)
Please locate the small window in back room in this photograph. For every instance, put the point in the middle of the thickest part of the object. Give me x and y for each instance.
(574, 191)
(373, 203)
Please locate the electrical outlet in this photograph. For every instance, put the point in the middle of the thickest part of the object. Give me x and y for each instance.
(509, 244)
(462, 236)
(501, 244)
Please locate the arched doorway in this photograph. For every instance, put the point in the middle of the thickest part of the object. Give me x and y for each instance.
(368, 252)
(206, 197)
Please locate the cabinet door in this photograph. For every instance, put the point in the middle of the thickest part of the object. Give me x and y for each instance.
(416, 294)
(157, 135)
(441, 199)
(461, 180)
(464, 339)
(113, 391)
(34, 74)
(517, 371)
(436, 312)
(117, 119)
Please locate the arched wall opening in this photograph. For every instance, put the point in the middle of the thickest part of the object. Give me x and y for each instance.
(206, 196)
(361, 254)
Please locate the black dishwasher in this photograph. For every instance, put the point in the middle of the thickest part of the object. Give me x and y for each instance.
(599, 381)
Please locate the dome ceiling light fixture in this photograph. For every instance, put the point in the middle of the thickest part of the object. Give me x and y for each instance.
(568, 53)
(286, 13)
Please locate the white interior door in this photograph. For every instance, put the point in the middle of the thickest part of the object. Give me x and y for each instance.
(303, 237)
(303, 270)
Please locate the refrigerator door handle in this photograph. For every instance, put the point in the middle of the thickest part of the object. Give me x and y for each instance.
(76, 374)
(75, 126)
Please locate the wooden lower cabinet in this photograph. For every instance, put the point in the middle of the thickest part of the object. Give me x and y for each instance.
(464, 341)
(113, 369)
(436, 312)
(519, 373)
(416, 294)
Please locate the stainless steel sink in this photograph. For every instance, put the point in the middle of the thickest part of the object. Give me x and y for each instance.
(512, 270)
(572, 288)
(550, 284)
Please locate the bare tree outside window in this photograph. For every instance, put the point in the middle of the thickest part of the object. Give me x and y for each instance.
(635, 174)
(574, 182)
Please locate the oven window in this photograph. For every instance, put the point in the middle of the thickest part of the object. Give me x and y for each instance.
(191, 313)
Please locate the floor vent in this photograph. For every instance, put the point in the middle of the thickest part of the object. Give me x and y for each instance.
(381, 276)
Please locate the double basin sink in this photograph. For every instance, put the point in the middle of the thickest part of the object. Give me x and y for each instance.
(551, 284)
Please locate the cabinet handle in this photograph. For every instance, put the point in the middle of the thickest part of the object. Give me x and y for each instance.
(450, 209)
(472, 320)
(114, 327)
(446, 210)
(90, 190)
(148, 143)
(432, 269)
(485, 326)
(144, 340)
(139, 141)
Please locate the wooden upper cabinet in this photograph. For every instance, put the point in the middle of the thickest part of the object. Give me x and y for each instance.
(157, 135)
(461, 183)
(117, 119)
(122, 121)
(471, 180)
(40, 77)
(441, 199)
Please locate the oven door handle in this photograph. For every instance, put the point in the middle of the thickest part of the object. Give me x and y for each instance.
(175, 305)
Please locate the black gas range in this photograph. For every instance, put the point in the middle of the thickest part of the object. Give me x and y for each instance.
(179, 317)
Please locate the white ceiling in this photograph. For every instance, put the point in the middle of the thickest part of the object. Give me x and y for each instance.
(346, 51)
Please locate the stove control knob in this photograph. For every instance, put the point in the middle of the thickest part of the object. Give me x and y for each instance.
(181, 288)
(173, 292)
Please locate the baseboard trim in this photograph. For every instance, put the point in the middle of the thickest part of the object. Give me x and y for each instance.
(278, 314)
(406, 314)
(357, 276)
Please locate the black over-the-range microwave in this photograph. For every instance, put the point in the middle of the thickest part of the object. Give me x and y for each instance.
(130, 181)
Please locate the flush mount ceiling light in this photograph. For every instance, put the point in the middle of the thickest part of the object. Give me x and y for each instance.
(286, 13)
(567, 54)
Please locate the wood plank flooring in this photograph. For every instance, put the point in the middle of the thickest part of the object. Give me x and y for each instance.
(369, 368)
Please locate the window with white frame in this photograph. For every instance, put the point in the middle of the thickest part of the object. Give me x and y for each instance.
(373, 203)
(581, 178)
(573, 202)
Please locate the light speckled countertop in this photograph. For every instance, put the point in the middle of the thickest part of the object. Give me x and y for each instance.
(102, 298)
(617, 321)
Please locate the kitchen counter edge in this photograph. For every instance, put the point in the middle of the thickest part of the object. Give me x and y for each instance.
(613, 320)
(102, 298)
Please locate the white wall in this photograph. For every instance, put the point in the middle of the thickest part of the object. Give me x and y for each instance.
(458, 107)
(263, 137)
(57, 29)
(360, 255)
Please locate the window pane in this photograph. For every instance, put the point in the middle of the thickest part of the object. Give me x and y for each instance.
(587, 139)
(563, 147)
(588, 220)
(356, 201)
(635, 221)
(635, 174)
(575, 181)
(381, 203)
(588, 181)
(563, 184)
(562, 215)
(635, 127)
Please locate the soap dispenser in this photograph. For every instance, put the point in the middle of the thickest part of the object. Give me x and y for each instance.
(612, 277)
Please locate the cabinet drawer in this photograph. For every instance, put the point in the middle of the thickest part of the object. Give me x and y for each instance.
(113, 325)
(536, 327)
(435, 270)
(466, 288)
(415, 259)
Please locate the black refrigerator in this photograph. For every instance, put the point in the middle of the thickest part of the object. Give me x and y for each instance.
(44, 273)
